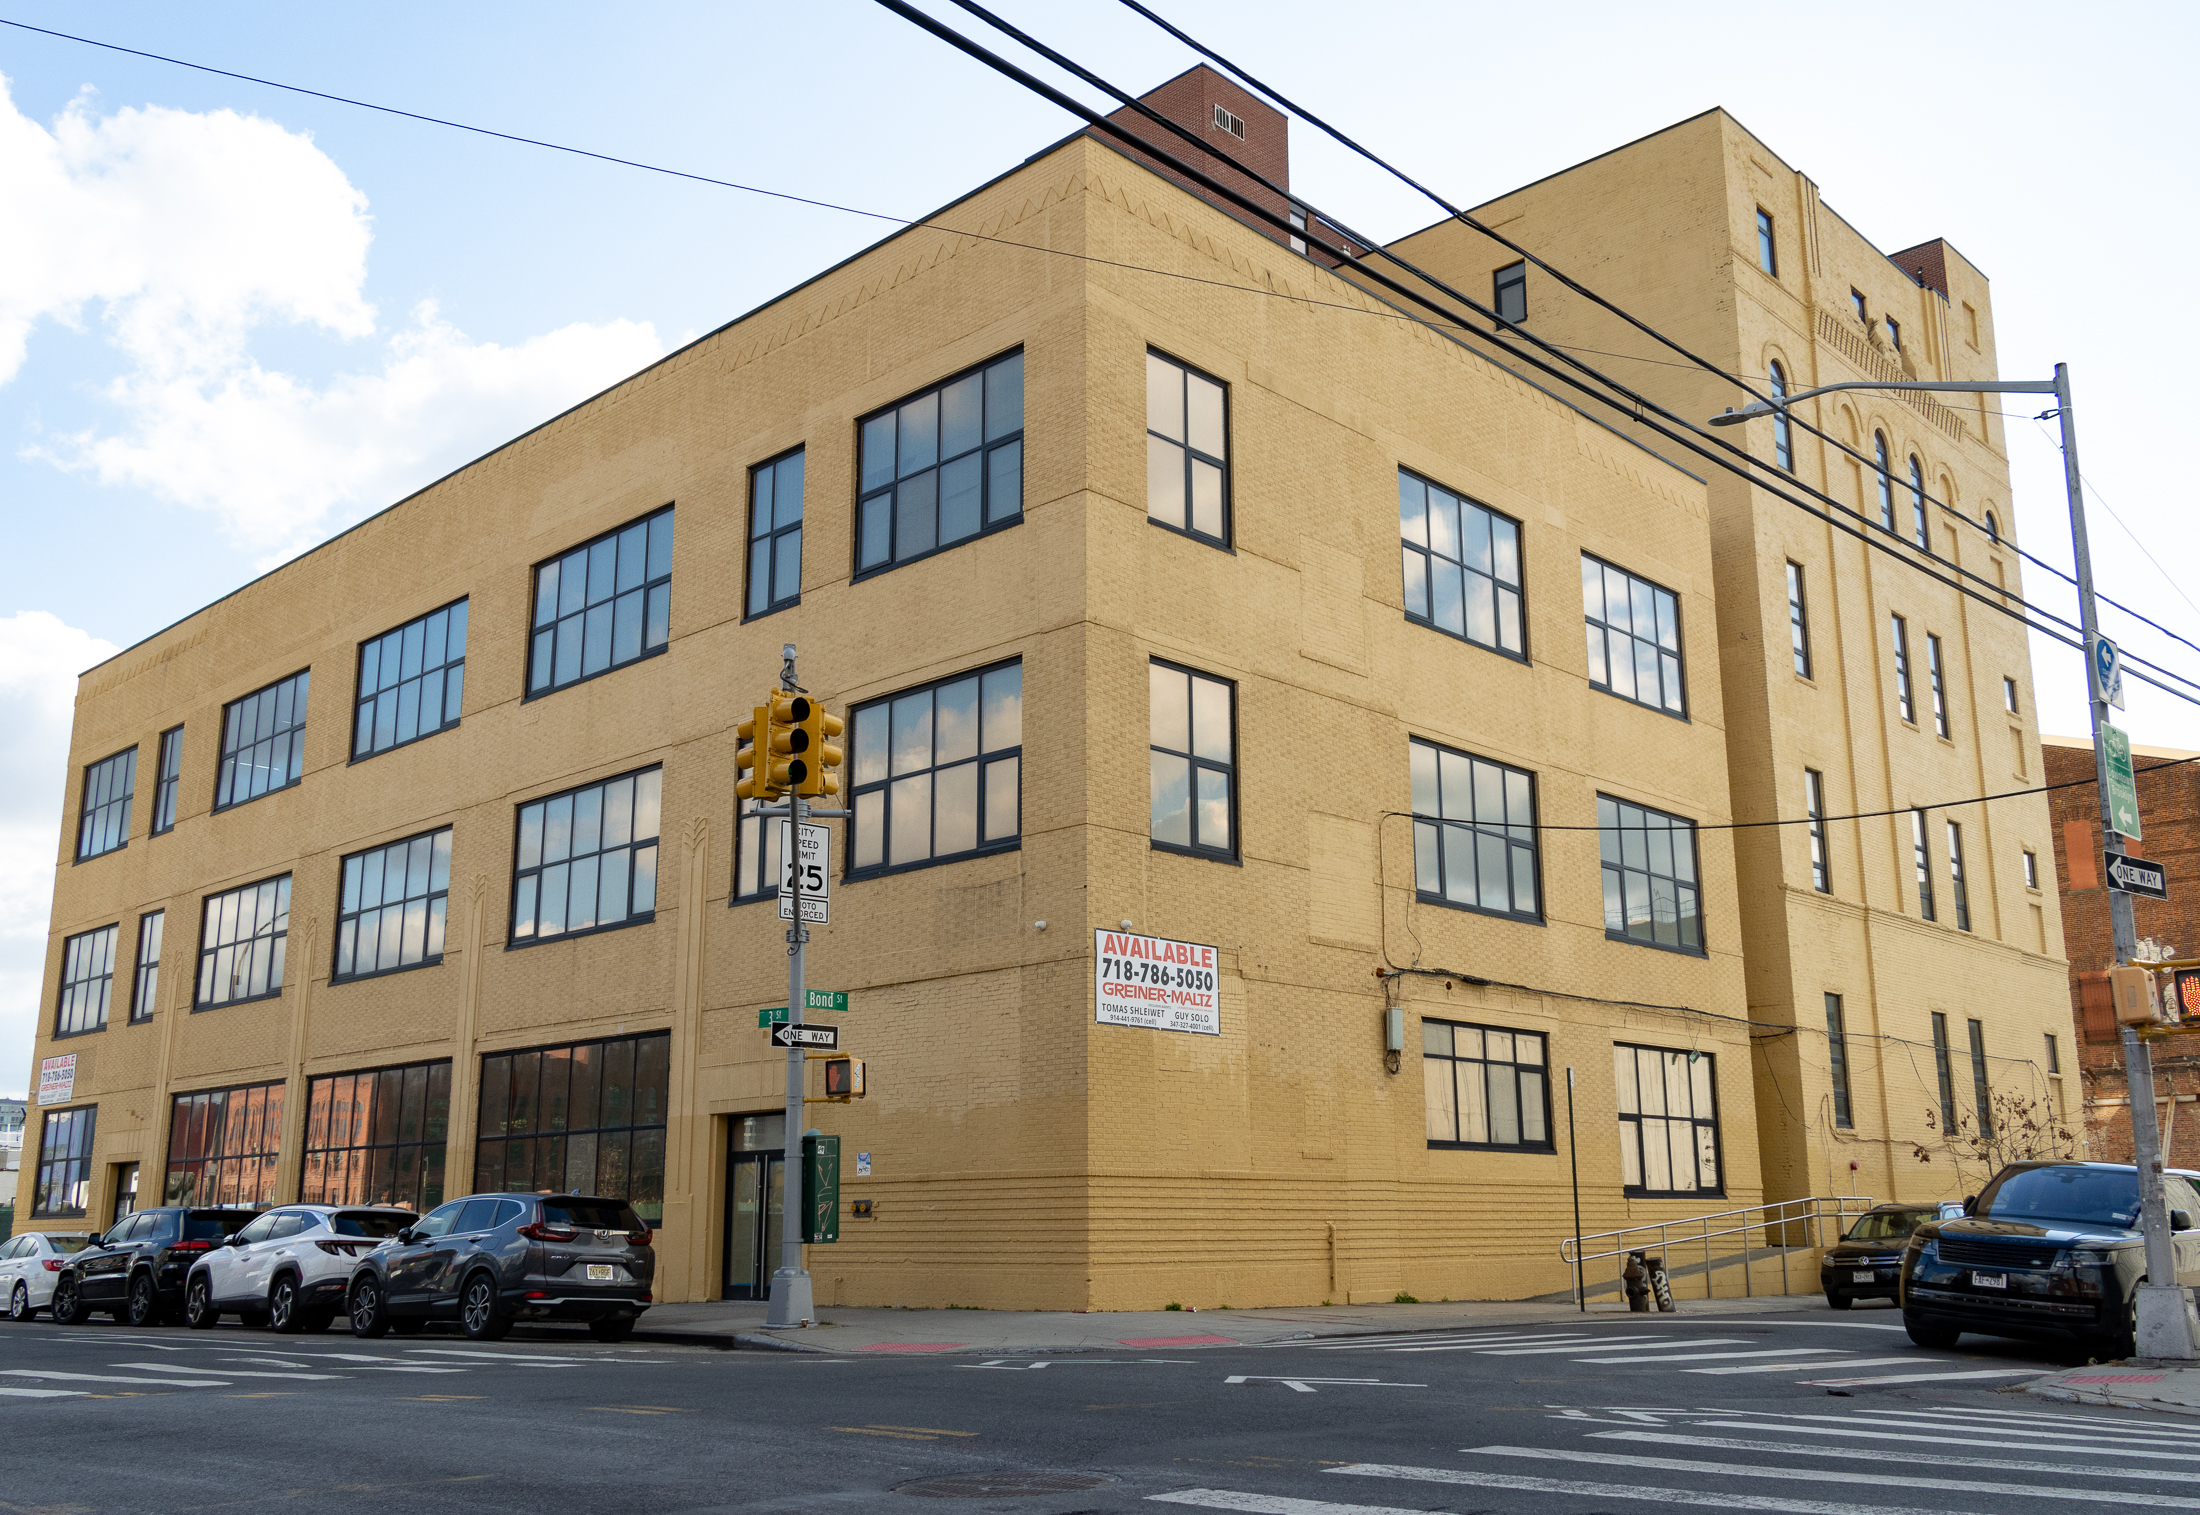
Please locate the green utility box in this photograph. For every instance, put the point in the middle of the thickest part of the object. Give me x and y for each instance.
(820, 1188)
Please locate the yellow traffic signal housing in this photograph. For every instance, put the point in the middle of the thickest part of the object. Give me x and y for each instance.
(755, 775)
(821, 754)
(844, 1078)
(789, 742)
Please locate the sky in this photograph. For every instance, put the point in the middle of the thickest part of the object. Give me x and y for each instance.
(235, 319)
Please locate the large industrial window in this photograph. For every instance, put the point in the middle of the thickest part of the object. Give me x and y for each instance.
(391, 912)
(1651, 894)
(1191, 760)
(1921, 851)
(169, 780)
(377, 1137)
(263, 742)
(1187, 450)
(64, 1180)
(1944, 1075)
(145, 992)
(1474, 840)
(583, 1119)
(1814, 805)
(87, 982)
(1509, 292)
(1634, 631)
(1768, 257)
(1957, 889)
(1920, 532)
(603, 605)
(222, 1146)
(1837, 1060)
(103, 820)
(1902, 699)
(942, 467)
(1483, 1086)
(937, 772)
(587, 858)
(756, 865)
(411, 682)
(1886, 480)
(1783, 432)
(1937, 679)
(775, 534)
(1462, 566)
(1668, 1122)
(1798, 621)
(241, 939)
(1982, 1093)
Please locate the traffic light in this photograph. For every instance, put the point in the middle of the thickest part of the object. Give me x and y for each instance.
(788, 746)
(844, 1078)
(752, 759)
(820, 752)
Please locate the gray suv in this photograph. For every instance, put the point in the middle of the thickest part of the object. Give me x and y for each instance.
(490, 1261)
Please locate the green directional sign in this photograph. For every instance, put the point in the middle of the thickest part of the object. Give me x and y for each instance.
(812, 999)
(2123, 788)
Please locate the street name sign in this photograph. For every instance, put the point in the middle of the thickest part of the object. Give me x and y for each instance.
(828, 1037)
(2123, 788)
(812, 999)
(1156, 983)
(816, 879)
(2135, 875)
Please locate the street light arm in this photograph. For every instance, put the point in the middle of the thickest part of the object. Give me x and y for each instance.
(1756, 408)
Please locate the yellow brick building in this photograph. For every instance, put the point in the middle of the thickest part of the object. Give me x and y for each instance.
(1918, 957)
(1173, 586)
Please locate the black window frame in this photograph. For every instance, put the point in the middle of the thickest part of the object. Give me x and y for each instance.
(987, 446)
(198, 1145)
(435, 927)
(2031, 869)
(1433, 829)
(1920, 527)
(540, 626)
(99, 945)
(1884, 469)
(1982, 1088)
(144, 974)
(1921, 854)
(1678, 653)
(1857, 304)
(1798, 619)
(859, 790)
(1768, 248)
(1905, 701)
(1195, 764)
(1612, 829)
(1783, 432)
(1894, 332)
(368, 1106)
(1413, 489)
(167, 783)
(278, 944)
(1453, 1060)
(1936, 683)
(2054, 1053)
(366, 704)
(1944, 1073)
(292, 737)
(494, 1104)
(773, 533)
(634, 846)
(2009, 694)
(755, 846)
(109, 815)
(1821, 853)
(1625, 1118)
(72, 1166)
(1837, 1063)
(1512, 279)
(1192, 456)
(1958, 889)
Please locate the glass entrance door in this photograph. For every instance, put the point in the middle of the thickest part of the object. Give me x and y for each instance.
(755, 1204)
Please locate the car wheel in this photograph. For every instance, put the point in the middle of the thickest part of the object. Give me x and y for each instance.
(369, 1315)
(144, 1307)
(68, 1302)
(1936, 1338)
(611, 1330)
(198, 1303)
(282, 1307)
(1839, 1301)
(478, 1313)
(19, 1302)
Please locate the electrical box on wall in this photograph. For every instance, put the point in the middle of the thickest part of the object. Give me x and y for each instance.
(1394, 1029)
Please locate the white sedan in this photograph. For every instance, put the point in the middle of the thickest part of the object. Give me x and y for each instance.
(28, 1264)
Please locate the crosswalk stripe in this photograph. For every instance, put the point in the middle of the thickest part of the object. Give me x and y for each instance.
(161, 1367)
(12, 1392)
(1923, 1420)
(1834, 1352)
(1272, 1504)
(166, 1383)
(1618, 1341)
(1419, 1337)
(1940, 1438)
(1875, 1479)
(1799, 1367)
(513, 1358)
(1878, 1457)
(2023, 1420)
(1852, 1383)
(1477, 1478)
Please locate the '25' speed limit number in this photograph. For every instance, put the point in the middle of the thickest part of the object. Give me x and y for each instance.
(809, 860)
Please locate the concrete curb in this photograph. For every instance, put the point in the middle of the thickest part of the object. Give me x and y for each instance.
(2114, 1401)
(728, 1341)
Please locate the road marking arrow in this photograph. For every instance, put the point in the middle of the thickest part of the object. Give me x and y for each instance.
(1304, 1385)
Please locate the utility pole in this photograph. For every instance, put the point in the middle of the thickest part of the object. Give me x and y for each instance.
(791, 1301)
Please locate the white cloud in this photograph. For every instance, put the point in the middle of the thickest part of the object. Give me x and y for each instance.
(177, 235)
(40, 659)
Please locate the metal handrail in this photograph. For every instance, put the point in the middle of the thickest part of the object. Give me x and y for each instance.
(1784, 1215)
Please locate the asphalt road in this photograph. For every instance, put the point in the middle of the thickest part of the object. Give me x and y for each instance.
(1809, 1412)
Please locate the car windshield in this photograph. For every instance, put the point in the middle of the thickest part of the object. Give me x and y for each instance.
(379, 1224)
(1885, 1225)
(2098, 1196)
(593, 1214)
(67, 1244)
(213, 1225)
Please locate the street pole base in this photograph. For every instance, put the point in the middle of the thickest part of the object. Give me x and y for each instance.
(790, 1307)
(2167, 1327)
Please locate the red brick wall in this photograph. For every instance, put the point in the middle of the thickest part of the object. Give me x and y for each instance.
(1927, 263)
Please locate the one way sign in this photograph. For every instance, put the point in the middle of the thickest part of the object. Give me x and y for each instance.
(784, 1035)
(2135, 875)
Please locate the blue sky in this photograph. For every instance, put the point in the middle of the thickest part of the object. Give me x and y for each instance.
(234, 320)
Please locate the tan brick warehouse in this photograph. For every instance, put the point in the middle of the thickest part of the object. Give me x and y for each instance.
(1022, 1154)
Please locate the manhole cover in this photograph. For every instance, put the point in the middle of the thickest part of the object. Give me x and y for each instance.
(999, 1485)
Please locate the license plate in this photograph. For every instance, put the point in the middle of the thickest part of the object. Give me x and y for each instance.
(1866, 1276)
(602, 1273)
(1990, 1280)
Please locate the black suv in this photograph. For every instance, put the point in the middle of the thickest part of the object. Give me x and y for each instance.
(489, 1261)
(1866, 1263)
(137, 1269)
(2048, 1250)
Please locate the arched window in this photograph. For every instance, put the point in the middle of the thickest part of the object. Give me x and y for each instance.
(1918, 529)
(1993, 528)
(1886, 482)
(1783, 442)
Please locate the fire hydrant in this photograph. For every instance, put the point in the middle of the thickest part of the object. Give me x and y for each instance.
(1636, 1277)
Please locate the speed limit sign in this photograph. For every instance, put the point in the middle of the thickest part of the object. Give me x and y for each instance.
(810, 860)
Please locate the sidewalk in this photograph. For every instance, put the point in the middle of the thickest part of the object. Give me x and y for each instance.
(2136, 1385)
(739, 1324)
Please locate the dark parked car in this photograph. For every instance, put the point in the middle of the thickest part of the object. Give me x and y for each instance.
(136, 1270)
(1866, 1263)
(490, 1261)
(2049, 1250)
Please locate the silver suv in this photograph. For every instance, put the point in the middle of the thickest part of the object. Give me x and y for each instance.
(290, 1266)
